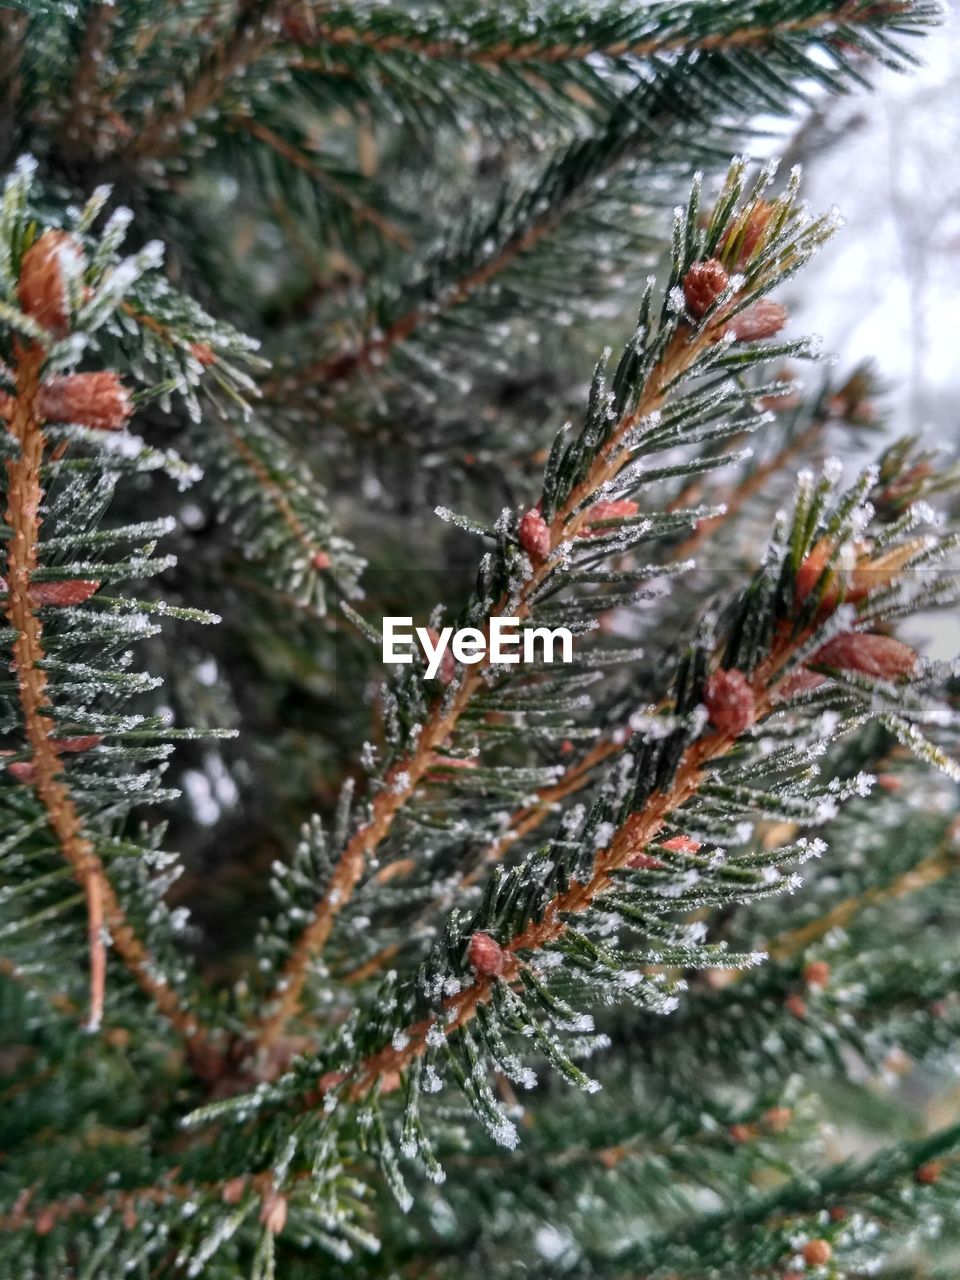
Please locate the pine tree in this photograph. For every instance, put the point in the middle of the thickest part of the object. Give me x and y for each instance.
(601, 968)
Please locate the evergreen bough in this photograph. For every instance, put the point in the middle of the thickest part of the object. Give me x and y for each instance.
(570, 969)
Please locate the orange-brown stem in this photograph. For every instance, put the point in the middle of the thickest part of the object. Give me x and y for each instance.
(104, 913)
(534, 52)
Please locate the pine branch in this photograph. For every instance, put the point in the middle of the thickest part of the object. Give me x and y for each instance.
(24, 496)
(362, 211)
(393, 35)
(104, 913)
(85, 106)
(679, 354)
(637, 832)
(253, 34)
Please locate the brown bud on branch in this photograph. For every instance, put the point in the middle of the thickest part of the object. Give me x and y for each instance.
(44, 272)
(703, 284)
(98, 400)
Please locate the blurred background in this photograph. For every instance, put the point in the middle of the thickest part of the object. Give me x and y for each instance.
(887, 287)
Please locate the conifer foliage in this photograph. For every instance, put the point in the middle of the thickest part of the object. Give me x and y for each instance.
(586, 968)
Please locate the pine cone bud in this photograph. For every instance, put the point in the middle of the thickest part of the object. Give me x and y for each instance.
(534, 534)
(621, 509)
(762, 320)
(796, 1005)
(730, 701)
(273, 1212)
(44, 271)
(816, 973)
(682, 844)
(45, 1221)
(70, 746)
(817, 1253)
(233, 1189)
(321, 560)
(486, 955)
(778, 1119)
(703, 285)
(98, 400)
(882, 657)
(744, 234)
(930, 1172)
(69, 591)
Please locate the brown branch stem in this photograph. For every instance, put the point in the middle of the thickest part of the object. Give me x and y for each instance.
(533, 52)
(104, 913)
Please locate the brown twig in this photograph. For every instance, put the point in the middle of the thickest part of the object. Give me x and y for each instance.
(104, 912)
(534, 52)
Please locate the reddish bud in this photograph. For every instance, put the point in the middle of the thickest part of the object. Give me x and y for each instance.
(811, 571)
(233, 1189)
(129, 1215)
(320, 560)
(70, 746)
(816, 973)
(645, 862)
(762, 320)
(486, 955)
(889, 782)
(621, 509)
(330, 1079)
(703, 284)
(681, 844)
(22, 770)
(69, 591)
(778, 1119)
(796, 1005)
(98, 400)
(205, 354)
(44, 271)
(741, 1132)
(817, 1253)
(45, 1221)
(882, 657)
(273, 1212)
(745, 232)
(730, 701)
(930, 1172)
(534, 534)
(801, 681)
